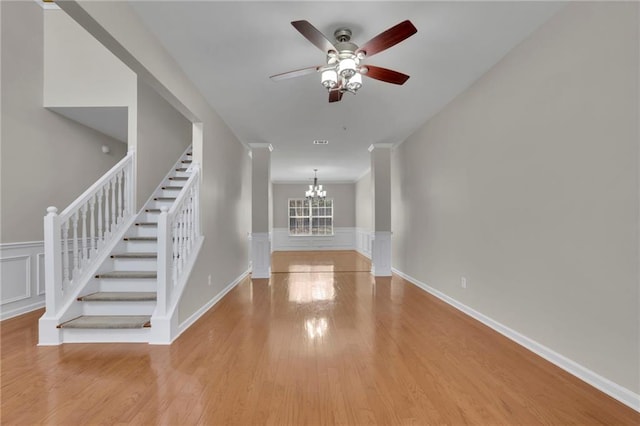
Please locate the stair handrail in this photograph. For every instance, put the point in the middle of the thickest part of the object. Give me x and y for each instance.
(75, 239)
(178, 233)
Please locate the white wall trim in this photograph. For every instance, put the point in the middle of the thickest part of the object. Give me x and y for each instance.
(364, 238)
(23, 244)
(343, 238)
(381, 254)
(27, 278)
(23, 283)
(603, 384)
(260, 254)
(200, 312)
(14, 312)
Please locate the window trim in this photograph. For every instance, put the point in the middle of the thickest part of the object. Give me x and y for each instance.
(332, 234)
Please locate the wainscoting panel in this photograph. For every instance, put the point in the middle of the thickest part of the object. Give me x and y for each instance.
(342, 239)
(21, 278)
(363, 241)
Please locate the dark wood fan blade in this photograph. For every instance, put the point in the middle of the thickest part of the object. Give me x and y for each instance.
(312, 34)
(296, 73)
(386, 75)
(391, 37)
(335, 95)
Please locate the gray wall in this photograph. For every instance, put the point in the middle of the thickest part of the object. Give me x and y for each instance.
(163, 135)
(343, 195)
(364, 203)
(527, 185)
(46, 159)
(261, 218)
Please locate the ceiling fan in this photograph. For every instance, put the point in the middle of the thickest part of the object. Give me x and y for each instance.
(343, 71)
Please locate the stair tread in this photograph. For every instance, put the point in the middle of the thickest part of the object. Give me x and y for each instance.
(135, 255)
(108, 321)
(141, 238)
(128, 274)
(119, 296)
(146, 223)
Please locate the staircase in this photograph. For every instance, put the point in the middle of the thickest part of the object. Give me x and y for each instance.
(119, 301)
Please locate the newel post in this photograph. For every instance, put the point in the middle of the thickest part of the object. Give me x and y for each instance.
(165, 260)
(52, 262)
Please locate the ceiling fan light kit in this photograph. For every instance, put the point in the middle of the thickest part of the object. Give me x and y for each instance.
(343, 71)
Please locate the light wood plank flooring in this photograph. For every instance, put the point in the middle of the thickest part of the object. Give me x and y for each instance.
(322, 342)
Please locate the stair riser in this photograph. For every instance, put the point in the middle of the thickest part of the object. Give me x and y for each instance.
(145, 231)
(134, 335)
(168, 193)
(118, 308)
(141, 246)
(135, 264)
(149, 217)
(156, 204)
(182, 174)
(109, 284)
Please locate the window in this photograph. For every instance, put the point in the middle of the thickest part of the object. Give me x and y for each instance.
(310, 217)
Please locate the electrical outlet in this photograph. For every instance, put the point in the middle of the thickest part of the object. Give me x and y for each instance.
(209, 279)
(463, 282)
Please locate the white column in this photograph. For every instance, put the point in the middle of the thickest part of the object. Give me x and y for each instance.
(381, 196)
(260, 202)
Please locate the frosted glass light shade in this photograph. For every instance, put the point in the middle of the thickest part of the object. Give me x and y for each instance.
(347, 67)
(355, 82)
(329, 79)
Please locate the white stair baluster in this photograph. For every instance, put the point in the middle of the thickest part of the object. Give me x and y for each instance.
(181, 243)
(76, 263)
(100, 223)
(93, 244)
(114, 216)
(176, 253)
(121, 196)
(84, 254)
(107, 222)
(65, 254)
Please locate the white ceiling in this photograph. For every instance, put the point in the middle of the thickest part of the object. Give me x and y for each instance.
(229, 50)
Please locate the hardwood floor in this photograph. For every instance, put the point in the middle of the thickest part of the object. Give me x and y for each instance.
(322, 342)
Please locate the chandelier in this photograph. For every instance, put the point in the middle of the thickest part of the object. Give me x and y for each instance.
(315, 191)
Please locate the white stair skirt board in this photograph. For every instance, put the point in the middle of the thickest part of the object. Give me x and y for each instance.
(605, 385)
(260, 255)
(381, 254)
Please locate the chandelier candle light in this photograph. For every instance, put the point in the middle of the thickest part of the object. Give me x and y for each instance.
(315, 190)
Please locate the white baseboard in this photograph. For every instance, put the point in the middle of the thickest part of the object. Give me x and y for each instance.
(10, 313)
(203, 310)
(603, 384)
